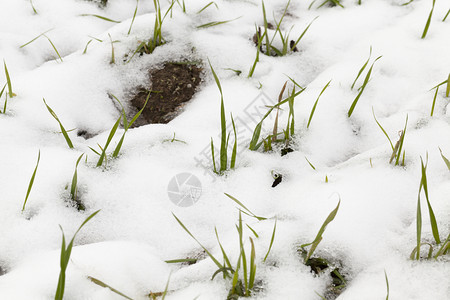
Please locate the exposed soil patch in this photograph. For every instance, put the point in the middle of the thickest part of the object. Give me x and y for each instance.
(171, 87)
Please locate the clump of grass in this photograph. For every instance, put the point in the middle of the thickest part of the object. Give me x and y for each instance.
(445, 247)
(287, 44)
(102, 154)
(255, 144)
(223, 160)
(315, 103)
(361, 89)
(397, 149)
(30, 184)
(157, 39)
(243, 275)
(65, 257)
(63, 130)
(127, 125)
(427, 24)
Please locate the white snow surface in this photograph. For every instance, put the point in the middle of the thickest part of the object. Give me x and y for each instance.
(127, 243)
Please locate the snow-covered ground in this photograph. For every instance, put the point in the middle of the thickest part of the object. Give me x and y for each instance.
(127, 243)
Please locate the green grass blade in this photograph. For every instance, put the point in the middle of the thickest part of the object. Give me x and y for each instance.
(444, 248)
(65, 257)
(223, 126)
(253, 231)
(245, 208)
(218, 264)
(402, 139)
(104, 285)
(442, 83)
(73, 186)
(110, 137)
(382, 129)
(234, 152)
(8, 81)
(318, 238)
(30, 185)
(213, 156)
(251, 279)
(434, 226)
(315, 104)
(54, 47)
(366, 81)
(362, 68)
(427, 25)
(183, 260)
(312, 166)
(134, 17)
(243, 256)
(63, 130)
(303, 33)
(266, 25)
(447, 162)
(271, 241)
(208, 5)
(225, 256)
(113, 59)
(418, 224)
(387, 285)
(27, 43)
(34, 8)
(166, 288)
(434, 101)
(445, 18)
(87, 44)
(100, 17)
(447, 91)
(215, 23)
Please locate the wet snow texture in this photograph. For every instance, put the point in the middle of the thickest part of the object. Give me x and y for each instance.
(126, 244)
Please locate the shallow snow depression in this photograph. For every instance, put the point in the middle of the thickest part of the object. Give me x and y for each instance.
(310, 209)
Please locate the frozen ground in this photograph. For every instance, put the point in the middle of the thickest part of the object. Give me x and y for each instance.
(127, 243)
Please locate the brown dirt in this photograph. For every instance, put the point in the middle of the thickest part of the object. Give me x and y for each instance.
(171, 87)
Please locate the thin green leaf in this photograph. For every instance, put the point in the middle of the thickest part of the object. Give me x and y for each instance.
(271, 240)
(303, 33)
(447, 162)
(208, 5)
(387, 285)
(27, 43)
(362, 68)
(382, 129)
(110, 137)
(245, 208)
(234, 152)
(366, 81)
(99, 17)
(315, 104)
(318, 238)
(30, 184)
(8, 81)
(427, 25)
(104, 285)
(63, 130)
(215, 23)
(434, 226)
(73, 186)
(434, 101)
(218, 264)
(134, 17)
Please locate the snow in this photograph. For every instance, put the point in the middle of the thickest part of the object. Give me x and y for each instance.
(127, 243)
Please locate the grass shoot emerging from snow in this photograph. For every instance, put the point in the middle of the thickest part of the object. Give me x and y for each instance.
(361, 89)
(8, 81)
(30, 184)
(65, 257)
(315, 104)
(318, 238)
(63, 130)
(223, 160)
(445, 246)
(427, 24)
